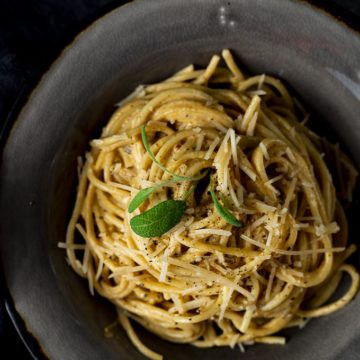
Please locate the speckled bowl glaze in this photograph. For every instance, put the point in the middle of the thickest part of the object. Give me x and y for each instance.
(143, 42)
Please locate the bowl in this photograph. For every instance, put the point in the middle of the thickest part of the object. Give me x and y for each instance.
(139, 43)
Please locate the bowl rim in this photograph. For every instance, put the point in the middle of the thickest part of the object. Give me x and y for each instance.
(342, 16)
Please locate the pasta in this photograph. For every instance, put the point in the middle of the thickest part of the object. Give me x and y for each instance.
(256, 239)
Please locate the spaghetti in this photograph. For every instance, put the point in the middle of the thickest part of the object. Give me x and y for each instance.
(206, 281)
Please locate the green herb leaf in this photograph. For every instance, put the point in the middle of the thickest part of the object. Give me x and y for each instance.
(159, 219)
(144, 194)
(153, 158)
(140, 197)
(223, 212)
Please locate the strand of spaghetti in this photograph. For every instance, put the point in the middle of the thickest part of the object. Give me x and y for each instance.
(135, 339)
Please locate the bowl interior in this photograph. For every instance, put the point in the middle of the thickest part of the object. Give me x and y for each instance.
(141, 43)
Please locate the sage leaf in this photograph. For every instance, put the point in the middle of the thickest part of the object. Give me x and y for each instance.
(223, 212)
(159, 219)
(144, 194)
(140, 197)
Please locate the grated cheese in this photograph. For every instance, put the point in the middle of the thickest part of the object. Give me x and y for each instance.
(259, 222)
(220, 127)
(305, 120)
(252, 124)
(212, 277)
(241, 347)
(195, 288)
(279, 340)
(264, 150)
(238, 122)
(233, 196)
(199, 142)
(249, 312)
(304, 323)
(261, 81)
(307, 184)
(212, 147)
(239, 192)
(99, 269)
(226, 295)
(86, 259)
(220, 257)
(178, 304)
(291, 252)
(270, 283)
(122, 270)
(233, 146)
(249, 172)
(63, 245)
(301, 225)
(257, 92)
(211, 232)
(321, 230)
(234, 340)
(164, 270)
(122, 186)
(274, 179)
(250, 111)
(261, 206)
(290, 155)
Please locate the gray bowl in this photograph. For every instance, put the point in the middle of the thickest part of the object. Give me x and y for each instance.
(143, 42)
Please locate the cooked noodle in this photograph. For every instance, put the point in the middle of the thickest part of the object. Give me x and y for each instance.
(207, 282)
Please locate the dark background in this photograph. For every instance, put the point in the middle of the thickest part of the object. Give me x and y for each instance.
(32, 34)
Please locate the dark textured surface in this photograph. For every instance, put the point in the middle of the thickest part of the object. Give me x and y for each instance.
(32, 33)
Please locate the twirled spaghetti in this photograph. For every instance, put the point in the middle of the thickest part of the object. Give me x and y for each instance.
(205, 281)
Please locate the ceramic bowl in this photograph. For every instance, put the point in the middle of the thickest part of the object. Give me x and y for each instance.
(140, 43)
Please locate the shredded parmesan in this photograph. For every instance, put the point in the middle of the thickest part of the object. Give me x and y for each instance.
(241, 347)
(249, 172)
(99, 269)
(199, 142)
(212, 147)
(291, 252)
(264, 150)
(247, 318)
(301, 225)
(257, 92)
(261, 81)
(63, 245)
(290, 155)
(251, 128)
(211, 232)
(220, 127)
(233, 146)
(270, 283)
(127, 269)
(261, 206)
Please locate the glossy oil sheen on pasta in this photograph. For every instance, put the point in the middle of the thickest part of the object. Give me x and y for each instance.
(207, 282)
